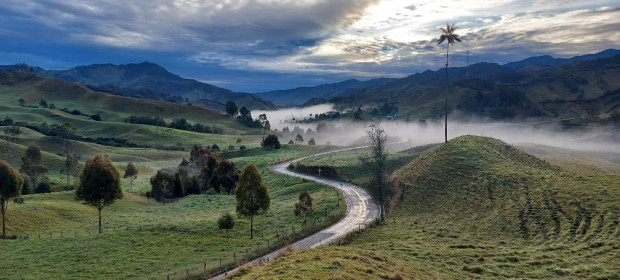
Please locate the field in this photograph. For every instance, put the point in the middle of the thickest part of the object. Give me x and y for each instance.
(149, 240)
(476, 208)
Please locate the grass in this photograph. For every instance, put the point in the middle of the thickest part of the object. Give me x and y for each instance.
(476, 208)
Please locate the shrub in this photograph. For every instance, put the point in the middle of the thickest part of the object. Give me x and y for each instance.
(271, 142)
(43, 187)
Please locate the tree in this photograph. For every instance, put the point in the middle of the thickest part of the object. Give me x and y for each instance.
(225, 176)
(252, 194)
(376, 165)
(299, 138)
(65, 130)
(32, 164)
(304, 207)
(451, 38)
(70, 168)
(100, 184)
(162, 185)
(208, 171)
(11, 183)
(311, 142)
(271, 142)
(226, 222)
(131, 172)
(231, 109)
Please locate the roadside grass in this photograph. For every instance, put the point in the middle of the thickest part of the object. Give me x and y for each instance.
(476, 208)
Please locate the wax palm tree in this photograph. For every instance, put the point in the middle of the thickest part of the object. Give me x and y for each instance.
(449, 36)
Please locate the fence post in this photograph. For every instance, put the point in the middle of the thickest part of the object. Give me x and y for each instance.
(234, 255)
(220, 261)
(205, 266)
(75, 233)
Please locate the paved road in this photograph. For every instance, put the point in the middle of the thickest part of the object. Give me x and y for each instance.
(361, 211)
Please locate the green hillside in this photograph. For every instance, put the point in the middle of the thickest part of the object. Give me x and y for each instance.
(477, 208)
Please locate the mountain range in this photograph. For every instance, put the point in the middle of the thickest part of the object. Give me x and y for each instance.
(525, 88)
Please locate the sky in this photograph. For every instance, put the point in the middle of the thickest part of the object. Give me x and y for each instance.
(262, 45)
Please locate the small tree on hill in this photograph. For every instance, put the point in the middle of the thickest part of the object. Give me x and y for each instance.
(252, 194)
(311, 142)
(162, 185)
(231, 109)
(299, 138)
(100, 184)
(226, 222)
(290, 142)
(32, 164)
(131, 172)
(10, 186)
(304, 207)
(271, 142)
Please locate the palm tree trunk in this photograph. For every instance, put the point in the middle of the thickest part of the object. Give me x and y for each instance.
(447, 90)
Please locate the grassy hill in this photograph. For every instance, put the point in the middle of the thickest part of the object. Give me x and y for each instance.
(477, 208)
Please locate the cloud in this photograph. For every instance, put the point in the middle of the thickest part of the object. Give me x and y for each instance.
(326, 40)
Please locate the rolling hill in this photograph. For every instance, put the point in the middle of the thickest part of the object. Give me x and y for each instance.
(478, 208)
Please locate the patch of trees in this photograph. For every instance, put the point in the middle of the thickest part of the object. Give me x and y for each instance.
(244, 116)
(44, 104)
(204, 171)
(180, 124)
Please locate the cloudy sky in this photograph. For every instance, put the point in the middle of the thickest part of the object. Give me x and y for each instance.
(259, 45)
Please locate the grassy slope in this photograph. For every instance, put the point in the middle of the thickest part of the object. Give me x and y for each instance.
(476, 209)
(124, 253)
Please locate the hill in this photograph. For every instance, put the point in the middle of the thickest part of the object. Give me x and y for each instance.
(478, 208)
(151, 81)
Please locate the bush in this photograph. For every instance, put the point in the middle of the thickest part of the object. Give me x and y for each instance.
(43, 187)
(242, 148)
(271, 142)
(311, 142)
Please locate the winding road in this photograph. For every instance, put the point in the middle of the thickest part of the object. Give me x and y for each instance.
(361, 211)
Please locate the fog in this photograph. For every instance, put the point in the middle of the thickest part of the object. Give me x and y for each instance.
(345, 132)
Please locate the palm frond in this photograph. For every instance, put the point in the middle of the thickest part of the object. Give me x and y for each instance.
(441, 39)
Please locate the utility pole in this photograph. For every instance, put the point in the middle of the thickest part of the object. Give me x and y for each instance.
(467, 69)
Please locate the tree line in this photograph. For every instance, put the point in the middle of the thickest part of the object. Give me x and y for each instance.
(180, 124)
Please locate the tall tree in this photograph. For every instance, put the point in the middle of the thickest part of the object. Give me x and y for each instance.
(451, 38)
(162, 185)
(131, 172)
(231, 109)
(375, 162)
(252, 194)
(70, 168)
(10, 186)
(304, 206)
(32, 164)
(100, 184)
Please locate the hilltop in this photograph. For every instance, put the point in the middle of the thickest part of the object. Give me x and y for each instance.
(479, 208)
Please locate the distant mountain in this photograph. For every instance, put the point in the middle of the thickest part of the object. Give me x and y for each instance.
(301, 95)
(150, 81)
(547, 60)
(567, 90)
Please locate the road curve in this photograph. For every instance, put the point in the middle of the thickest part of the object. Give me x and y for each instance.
(361, 211)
